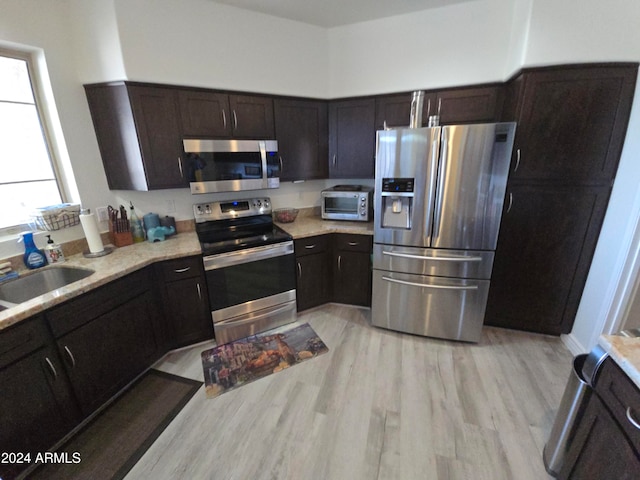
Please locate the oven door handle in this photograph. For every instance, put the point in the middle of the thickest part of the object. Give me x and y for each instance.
(233, 322)
(238, 257)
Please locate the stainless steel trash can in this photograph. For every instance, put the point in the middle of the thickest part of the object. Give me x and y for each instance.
(582, 378)
(574, 400)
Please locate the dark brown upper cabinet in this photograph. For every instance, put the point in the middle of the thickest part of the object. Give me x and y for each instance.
(302, 134)
(139, 136)
(572, 122)
(220, 115)
(352, 138)
(458, 105)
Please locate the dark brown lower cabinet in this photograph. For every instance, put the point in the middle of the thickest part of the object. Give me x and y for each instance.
(107, 353)
(185, 301)
(333, 268)
(606, 445)
(313, 265)
(352, 269)
(36, 407)
(547, 239)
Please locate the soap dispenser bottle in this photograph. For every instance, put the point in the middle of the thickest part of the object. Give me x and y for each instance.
(33, 257)
(53, 251)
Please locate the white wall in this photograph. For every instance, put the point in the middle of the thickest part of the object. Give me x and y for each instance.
(462, 44)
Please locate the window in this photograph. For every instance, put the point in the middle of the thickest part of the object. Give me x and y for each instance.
(27, 173)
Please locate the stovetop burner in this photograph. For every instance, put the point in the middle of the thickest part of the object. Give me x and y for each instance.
(238, 224)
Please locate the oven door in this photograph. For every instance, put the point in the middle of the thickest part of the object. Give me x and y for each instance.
(251, 290)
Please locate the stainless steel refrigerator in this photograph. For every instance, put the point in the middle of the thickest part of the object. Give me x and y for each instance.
(439, 196)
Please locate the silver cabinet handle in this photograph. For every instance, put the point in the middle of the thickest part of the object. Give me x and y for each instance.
(439, 105)
(334, 159)
(182, 270)
(632, 420)
(517, 161)
(510, 202)
(299, 270)
(51, 367)
(309, 247)
(422, 285)
(353, 244)
(224, 119)
(199, 291)
(428, 108)
(73, 360)
(235, 120)
(180, 167)
(281, 164)
(339, 262)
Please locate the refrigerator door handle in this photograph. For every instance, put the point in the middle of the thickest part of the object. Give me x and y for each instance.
(440, 182)
(422, 285)
(444, 259)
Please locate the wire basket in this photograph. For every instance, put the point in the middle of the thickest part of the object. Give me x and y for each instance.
(56, 217)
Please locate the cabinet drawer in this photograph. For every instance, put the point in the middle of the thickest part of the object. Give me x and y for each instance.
(353, 242)
(22, 339)
(310, 245)
(180, 268)
(81, 310)
(622, 397)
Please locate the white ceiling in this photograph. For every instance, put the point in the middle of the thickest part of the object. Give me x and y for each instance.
(333, 13)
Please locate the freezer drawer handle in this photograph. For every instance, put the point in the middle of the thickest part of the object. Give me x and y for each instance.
(422, 285)
(446, 259)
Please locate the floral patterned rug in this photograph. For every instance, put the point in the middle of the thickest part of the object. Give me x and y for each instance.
(237, 363)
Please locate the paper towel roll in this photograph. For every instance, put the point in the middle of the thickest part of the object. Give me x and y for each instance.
(90, 227)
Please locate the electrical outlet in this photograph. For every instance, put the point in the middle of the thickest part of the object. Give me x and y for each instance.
(102, 214)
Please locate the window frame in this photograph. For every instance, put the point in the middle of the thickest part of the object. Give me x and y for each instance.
(51, 144)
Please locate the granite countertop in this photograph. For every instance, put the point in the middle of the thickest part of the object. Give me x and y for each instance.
(308, 226)
(119, 263)
(625, 351)
(125, 260)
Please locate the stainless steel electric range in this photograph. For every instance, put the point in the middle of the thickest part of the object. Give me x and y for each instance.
(249, 265)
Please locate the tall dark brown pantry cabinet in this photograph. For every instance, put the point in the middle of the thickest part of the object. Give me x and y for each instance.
(572, 122)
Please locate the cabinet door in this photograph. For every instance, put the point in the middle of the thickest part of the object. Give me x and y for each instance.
(187, 311)
(352, 269)
(36, 405)
(312, 282)
(395, 110)
(155, 112)
(547, 239)
(204, 114)
(572, 123)
(302, 132)
(352, 138)
(251, 117)
(104, 355)
(600, 450)
(467, 105)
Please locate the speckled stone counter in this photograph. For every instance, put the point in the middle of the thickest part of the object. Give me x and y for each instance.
(626, 353)
(119, 263)
(308, 226)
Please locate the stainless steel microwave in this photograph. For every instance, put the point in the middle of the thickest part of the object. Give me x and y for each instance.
(231, 165)
(347, 202)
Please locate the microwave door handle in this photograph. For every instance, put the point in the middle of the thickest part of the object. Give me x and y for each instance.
(262, 146)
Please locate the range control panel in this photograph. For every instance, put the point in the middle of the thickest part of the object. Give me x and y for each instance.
(211, 211)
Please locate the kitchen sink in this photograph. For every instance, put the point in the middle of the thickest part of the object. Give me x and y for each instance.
(34, 284)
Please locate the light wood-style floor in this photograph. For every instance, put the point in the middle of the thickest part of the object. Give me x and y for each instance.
(379, 405)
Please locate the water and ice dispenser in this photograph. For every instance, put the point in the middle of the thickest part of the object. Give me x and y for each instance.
(397, 202)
